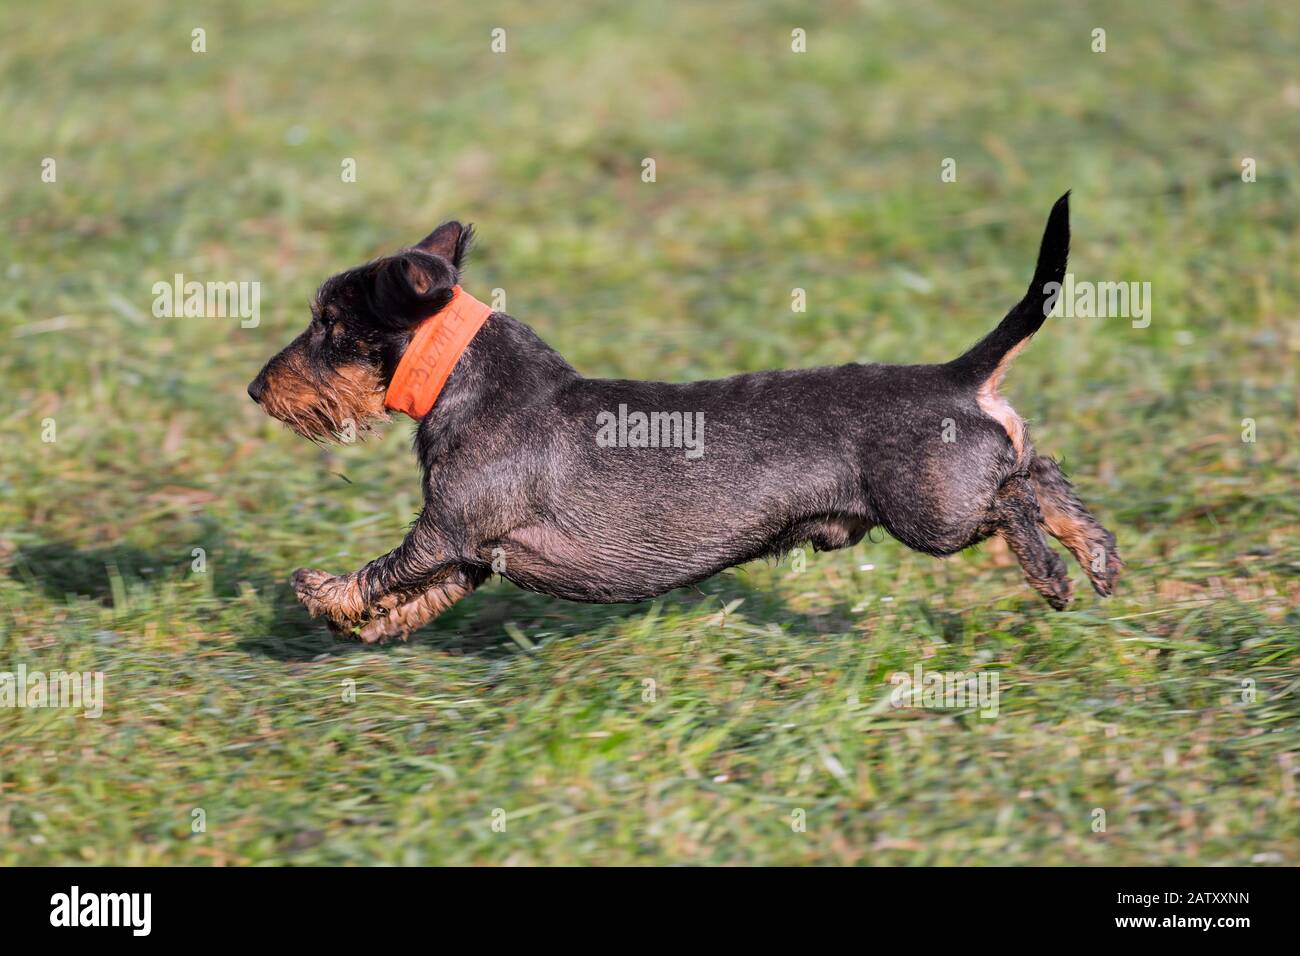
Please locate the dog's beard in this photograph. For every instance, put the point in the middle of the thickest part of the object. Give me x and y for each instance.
(341, 407)
(331, 424)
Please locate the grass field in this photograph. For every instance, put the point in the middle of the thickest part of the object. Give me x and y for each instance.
(1172, 707)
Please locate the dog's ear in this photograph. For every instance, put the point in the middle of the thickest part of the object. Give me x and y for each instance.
(409, 287)
(450, 240)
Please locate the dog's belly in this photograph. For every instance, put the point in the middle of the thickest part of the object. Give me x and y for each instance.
(609, 567)
(613, 568)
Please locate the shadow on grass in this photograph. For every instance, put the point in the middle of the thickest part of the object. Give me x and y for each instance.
(61, 570)
(476, 626)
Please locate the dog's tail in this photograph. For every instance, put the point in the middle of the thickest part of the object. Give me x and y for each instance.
(990, 355)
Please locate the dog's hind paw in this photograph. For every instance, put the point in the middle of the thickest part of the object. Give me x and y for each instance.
(1104, 566)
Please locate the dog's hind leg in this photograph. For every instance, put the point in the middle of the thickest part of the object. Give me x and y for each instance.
(1016, 517)
(405, 618)
(1067, 520)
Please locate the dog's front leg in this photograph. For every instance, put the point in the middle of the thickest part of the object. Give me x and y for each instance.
(413, 568)
(418, 611)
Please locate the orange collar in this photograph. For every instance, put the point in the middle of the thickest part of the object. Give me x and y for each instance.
(433, 353)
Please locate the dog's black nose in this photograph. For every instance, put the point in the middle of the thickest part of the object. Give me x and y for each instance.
(256, 389)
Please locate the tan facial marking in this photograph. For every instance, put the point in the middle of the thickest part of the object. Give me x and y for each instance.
(322, 407)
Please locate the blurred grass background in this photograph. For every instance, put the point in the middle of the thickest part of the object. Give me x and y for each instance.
(775, 170)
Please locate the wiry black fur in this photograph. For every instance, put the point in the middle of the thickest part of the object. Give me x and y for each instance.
(513, 474)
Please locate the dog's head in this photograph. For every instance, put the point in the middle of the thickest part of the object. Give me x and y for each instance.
(331, 379)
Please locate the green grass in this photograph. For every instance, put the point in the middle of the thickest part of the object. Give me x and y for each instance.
(775, 171)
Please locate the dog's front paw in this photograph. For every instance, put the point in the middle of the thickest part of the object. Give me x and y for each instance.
(333, 597)
(308, 584)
